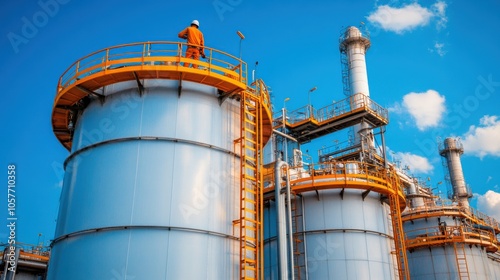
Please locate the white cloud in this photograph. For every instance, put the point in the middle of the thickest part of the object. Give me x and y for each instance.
(489, 179)
(482, 140)
(439, 10)
(439, 49)
(416, 163)
(489, 203)
(426, 108)
(408, 17)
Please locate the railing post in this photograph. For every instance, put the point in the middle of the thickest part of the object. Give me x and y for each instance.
(210, 54)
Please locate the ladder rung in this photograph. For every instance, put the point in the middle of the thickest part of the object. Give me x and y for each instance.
(248, 176)
(251, 141)
(249, 220)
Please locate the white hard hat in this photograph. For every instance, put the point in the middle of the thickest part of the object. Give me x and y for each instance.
(195, 22)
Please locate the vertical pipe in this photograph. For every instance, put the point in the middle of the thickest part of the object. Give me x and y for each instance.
(304, 236)
(289, 224)
(384, 153)
(280, 224)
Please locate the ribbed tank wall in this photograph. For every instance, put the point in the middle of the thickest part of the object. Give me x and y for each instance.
(346, 238)
(494, 268)
(440, 262)
(156, 207)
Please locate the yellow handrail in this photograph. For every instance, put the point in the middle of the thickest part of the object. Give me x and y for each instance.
(146, 54)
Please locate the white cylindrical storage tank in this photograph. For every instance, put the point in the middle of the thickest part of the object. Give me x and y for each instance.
(346, 236)
(442, 262)
(149, 190)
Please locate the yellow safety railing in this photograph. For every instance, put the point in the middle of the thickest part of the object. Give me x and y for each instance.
(439, 235)
(357, 173)
(152, 54)
(451, 209)
(339, 108)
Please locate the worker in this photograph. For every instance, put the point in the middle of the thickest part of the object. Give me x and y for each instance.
(195, 42)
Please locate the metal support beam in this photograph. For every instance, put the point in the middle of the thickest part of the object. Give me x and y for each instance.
(225, 95)
(179, 89)
(364, 194)
(92, 93)
(284, 135)
(140, 86)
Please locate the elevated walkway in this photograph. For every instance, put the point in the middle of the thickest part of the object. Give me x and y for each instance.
(307, 123)
(340, 175)
(149, 60)
(442, 235)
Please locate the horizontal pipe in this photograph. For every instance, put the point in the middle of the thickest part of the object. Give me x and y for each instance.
(31, 264)
(285, 135)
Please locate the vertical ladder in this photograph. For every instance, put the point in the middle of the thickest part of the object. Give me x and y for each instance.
(462, 268)
(393, 249)
(250, 189)
(299, 252)
(399, 241)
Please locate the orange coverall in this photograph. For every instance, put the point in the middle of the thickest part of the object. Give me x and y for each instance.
(195, 43)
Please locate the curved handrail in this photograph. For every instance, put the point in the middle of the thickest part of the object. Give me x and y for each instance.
(439, 235)
(150, 54)
(438, 210)
(358, 174)
(344, 106)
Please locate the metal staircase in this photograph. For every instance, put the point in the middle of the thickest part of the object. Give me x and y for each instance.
(462, 268)
(250, 189)
(399, 242)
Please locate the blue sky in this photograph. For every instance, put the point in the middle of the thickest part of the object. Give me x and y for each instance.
(434, 64)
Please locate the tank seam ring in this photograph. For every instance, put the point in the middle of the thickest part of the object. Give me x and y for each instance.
(114, 228)
(147, 138)
(316, 231)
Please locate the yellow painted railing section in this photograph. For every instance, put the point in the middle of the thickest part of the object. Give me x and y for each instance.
(338, 175)
(149, 55)
(440, 235)
(354, 103)
(150, 60)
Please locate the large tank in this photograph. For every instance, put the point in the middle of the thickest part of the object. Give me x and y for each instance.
(447, 247)
(340, 231)
(150, 207)
(152, 187)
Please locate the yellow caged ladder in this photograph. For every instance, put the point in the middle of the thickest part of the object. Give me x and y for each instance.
(462, 268)
(399, 241)
(250, 186)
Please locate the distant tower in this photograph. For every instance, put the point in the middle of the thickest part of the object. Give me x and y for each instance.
(353, 47)
(451, 149)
